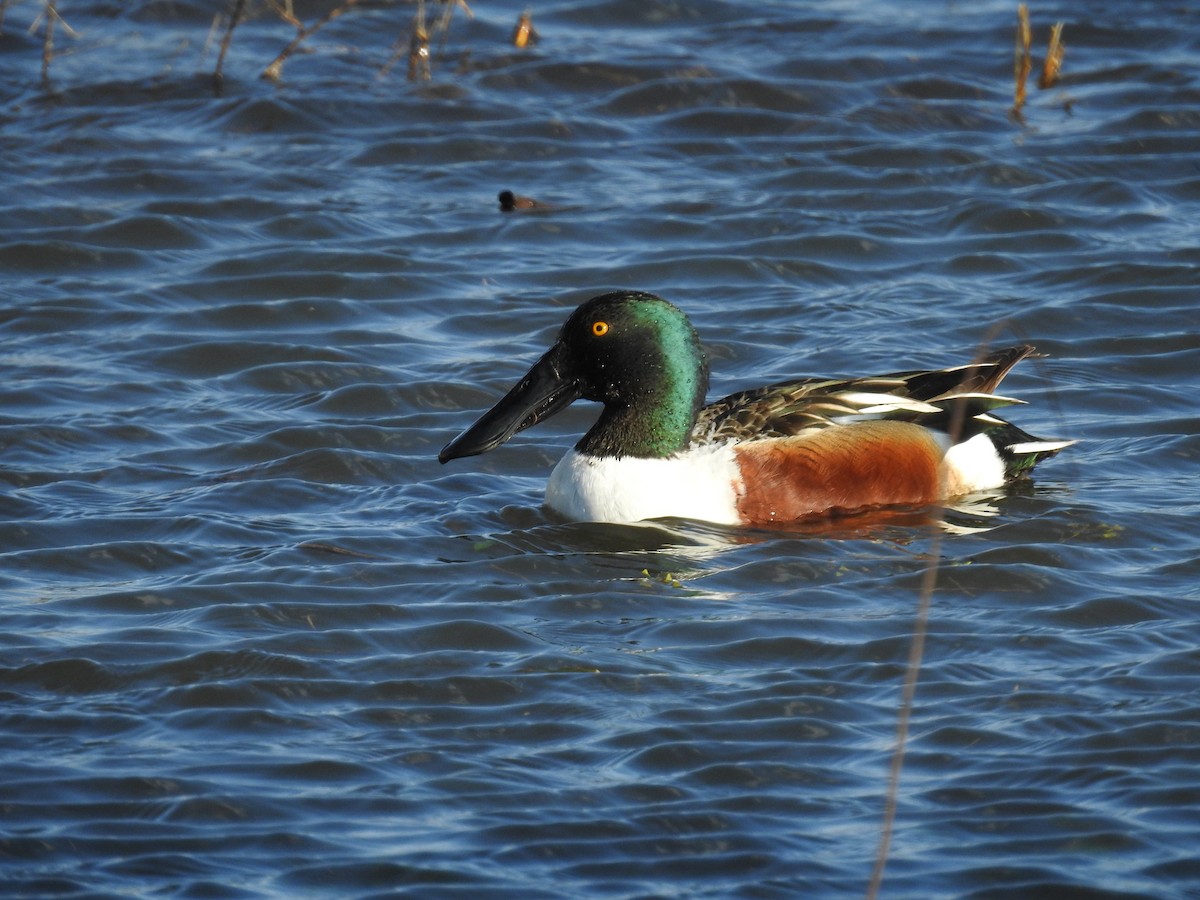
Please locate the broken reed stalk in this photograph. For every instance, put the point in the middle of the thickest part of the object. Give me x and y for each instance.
(274, 71)
(397, 52)
(286, 12)
(1022, 60)
(48, 43)
(419, 54)
(418, 47)
(524, 34)
(234, 18)
(1054, 58)
(211, 36)
(442, 26)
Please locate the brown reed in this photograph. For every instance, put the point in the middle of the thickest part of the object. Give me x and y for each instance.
(239, 8)
(524, 34)
(48, 42)
(285, 11)
(274, 71)
(418, 47)
(1054, 58)
(1022, 60)
(50, 16)
(916, 651)
(442, 26)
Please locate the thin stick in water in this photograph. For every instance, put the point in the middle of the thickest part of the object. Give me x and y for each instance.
(1022, 61)
(274, 71)
(48, 42)
(418, 47)
(442, 26)
(912, 672)
(286, 12)
(234, 18)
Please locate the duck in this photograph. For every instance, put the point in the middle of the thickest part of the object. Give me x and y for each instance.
(785, 452)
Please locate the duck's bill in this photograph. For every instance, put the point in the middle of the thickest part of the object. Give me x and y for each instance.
(540, 394)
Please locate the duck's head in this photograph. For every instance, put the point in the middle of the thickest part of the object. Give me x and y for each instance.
(635, 353)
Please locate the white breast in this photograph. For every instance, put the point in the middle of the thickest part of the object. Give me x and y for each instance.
(702, 483)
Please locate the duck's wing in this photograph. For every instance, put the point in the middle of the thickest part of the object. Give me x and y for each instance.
(955, 398)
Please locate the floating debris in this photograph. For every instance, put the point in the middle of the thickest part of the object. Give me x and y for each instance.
(324, 547)
(653, 578)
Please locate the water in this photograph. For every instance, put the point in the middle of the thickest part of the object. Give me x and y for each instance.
(257, 642)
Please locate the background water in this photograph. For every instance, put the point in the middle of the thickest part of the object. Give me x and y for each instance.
(257, 642)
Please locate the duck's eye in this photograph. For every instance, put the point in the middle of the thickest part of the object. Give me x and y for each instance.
(599, 329)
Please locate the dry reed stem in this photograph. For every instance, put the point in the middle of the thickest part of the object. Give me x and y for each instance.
(1054, 58)
(66, 26)
(48, 43)
(917, 649)
(911, 673)
(50, 14)
(211, 36)
(49, 10)
(420, 56)
(286, 12)
(397, 52)
(1022, 60)
(442, 26)
(443, 22)
(239, 7)
(418, 47)
(524, 33)
(274, 71)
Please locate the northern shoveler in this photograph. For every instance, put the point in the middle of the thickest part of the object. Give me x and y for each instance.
(767, 455)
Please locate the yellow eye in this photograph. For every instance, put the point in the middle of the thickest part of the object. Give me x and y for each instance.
(599, 329)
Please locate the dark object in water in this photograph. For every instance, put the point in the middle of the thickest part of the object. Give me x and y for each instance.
(510, 202)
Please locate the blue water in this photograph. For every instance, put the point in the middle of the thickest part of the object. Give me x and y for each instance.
(255, 641)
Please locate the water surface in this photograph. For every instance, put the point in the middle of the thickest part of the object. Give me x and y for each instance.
(257, 642)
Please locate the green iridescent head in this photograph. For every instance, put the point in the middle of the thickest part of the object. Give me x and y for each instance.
(632, 351)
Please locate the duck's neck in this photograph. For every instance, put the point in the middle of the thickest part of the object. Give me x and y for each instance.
(657, 421)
